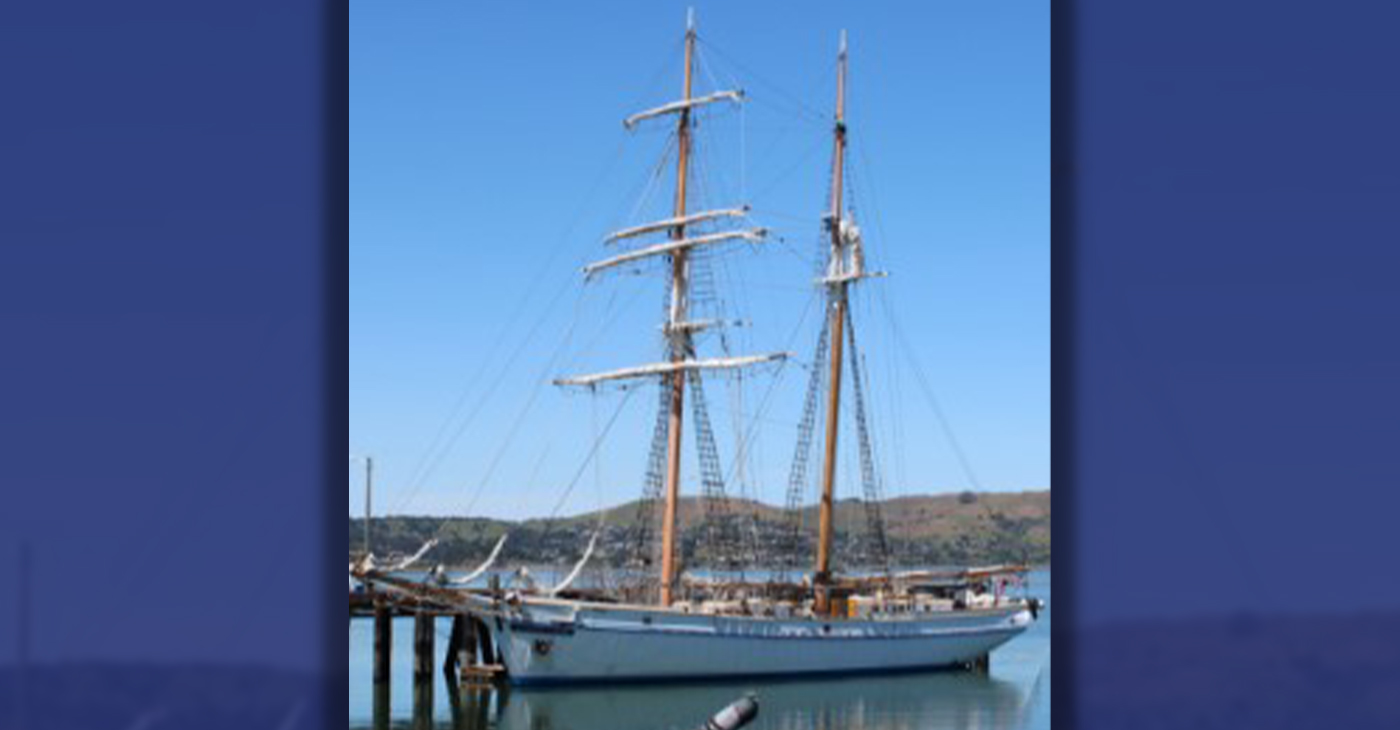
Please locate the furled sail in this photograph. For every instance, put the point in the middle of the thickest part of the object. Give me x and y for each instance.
(412, 560)
(680, 106)
(674, 223)
(485, 567)
(756, 235)
(578, 569)
(646, 371)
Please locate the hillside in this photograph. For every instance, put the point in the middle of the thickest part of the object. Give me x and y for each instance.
(925, 530)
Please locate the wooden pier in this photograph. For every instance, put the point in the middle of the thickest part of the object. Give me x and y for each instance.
(363, 605)
(472, 662)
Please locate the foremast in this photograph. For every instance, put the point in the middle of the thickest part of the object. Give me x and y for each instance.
(679, 338)
(682, 364)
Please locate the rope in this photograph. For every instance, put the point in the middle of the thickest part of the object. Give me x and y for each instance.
(552, 520)
(802, 108)
(438, 449)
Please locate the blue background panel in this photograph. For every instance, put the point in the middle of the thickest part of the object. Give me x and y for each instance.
(1226, 270)
(163, 208)
(1227, 300)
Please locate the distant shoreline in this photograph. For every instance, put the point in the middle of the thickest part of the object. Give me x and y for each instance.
(945, 529)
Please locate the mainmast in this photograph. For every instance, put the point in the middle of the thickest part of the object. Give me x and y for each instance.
(843, 269)
(682, 363)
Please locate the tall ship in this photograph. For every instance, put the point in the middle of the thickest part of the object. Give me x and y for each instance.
(663, 621)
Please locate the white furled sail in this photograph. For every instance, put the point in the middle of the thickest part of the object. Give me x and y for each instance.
(681, 106)
(756, 235)
(412, 560)
(670, 368)
(699, 325)
(578, 569)
(848, 253)
(673, 223)
(367, 564)
(485, 567)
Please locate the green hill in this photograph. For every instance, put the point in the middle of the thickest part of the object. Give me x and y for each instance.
(926, 530)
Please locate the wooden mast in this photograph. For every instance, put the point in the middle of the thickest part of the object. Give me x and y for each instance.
(678, 334)
(838, 287)
(681, 359)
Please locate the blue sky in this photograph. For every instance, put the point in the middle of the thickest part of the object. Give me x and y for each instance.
(488, 160)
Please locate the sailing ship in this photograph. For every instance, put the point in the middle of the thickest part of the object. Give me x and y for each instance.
(675, 625)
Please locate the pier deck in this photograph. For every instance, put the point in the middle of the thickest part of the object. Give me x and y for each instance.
(362, 605)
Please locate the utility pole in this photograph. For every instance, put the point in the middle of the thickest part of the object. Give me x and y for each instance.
(369, 500)
(368, 462)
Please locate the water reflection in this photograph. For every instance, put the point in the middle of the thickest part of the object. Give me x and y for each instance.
(922, 702)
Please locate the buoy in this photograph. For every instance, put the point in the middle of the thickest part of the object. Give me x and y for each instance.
(735, 716)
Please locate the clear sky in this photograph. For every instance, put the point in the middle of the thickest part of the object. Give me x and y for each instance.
(488, 160)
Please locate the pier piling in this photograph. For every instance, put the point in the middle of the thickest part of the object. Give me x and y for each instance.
(455, 653)
(467, 650)
(424, 651)
(472, 659)
(488, 647)
(383, 660)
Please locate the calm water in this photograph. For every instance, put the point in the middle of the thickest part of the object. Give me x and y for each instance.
(1016, 696)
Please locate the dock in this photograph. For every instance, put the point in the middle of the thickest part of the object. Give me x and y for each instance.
(473, 661)
(364, 606)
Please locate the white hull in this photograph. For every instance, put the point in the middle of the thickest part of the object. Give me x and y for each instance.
(563, 644)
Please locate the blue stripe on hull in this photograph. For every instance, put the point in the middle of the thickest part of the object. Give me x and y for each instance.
(709, 679)
(949, 634)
